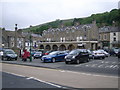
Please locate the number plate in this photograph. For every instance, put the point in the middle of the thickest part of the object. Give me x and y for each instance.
(68, 60)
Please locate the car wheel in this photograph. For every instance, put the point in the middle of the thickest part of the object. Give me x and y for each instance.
(53, 60)
(15, 58)
(78, 62)
(3, 58)
(88, 60)
(66, 62)
(103, 57)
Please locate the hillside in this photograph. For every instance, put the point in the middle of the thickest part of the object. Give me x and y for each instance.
(102, 19)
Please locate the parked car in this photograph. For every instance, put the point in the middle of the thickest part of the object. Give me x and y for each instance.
(98, 55)
(66, 51)
(54, 56)
(90, 54)
(33, 52)
(118, 54)
(103, 51)
(114, 51)
(9, 54)
(37, 55)
(1, 53)
(47, 52)
(77, 56)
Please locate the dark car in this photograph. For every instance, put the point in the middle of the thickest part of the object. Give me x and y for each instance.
(118, 54)
(77, 56)
(9, 54)
(54, 56)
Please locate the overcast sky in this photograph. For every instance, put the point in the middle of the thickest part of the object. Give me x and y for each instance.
(35, 12)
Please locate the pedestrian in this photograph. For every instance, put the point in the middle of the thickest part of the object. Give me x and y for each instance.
(25, 55)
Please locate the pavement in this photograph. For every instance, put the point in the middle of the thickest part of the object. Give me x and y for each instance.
(34, 62)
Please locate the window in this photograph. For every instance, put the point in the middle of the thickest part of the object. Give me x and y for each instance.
(114, 39)
(105, 36)
(114, 34)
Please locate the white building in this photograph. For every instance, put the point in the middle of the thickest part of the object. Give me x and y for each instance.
(115, 37)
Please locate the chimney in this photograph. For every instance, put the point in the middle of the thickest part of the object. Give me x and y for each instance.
(94, 22)
(113, 23)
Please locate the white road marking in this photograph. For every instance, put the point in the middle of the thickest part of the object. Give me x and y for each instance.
(62, 71)
(87, 65)
(106, 62)
(15, 74)
(100, 66)
(116, 66)
(30, 78)
(94, 65)
(111, 66)
(48, 83)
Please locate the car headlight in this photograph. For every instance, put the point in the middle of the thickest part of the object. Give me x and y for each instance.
(73, 56)
(15, 55)
(65, 57)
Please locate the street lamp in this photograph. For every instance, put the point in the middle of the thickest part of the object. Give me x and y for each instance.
(30, 37)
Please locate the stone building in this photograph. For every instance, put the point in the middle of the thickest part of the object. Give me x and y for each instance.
(8, 39)
(72, 37)
(109, 36)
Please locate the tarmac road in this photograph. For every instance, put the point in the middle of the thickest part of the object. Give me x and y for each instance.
(63, 77)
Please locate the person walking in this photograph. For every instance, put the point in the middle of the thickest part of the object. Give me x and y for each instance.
(25, 55)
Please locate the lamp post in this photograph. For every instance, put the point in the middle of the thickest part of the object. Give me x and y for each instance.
(30, 37)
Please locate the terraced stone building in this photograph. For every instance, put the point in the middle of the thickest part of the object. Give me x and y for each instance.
(72, 37)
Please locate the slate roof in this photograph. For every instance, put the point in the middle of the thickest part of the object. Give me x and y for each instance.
(109, 29)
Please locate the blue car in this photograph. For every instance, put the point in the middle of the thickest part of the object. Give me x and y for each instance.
(54, 56)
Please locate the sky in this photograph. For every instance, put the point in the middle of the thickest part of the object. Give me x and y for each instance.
(36, 12)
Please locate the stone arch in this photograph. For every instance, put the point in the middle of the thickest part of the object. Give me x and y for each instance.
(41, 46)
(81, 47)
(55, 47)
(48, 47)
(71, 47)
(62, 47)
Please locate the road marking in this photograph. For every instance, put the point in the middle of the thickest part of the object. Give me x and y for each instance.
(100, 66)
(62, 70)
(106, 62)
(58, 86)
(29, 78)
(116, 66)
(48, 83)
(93, 65)
(14, 74)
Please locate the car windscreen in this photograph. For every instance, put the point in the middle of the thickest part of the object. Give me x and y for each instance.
(9, 52)
(53, 53)
(74, 52)
(38, 52)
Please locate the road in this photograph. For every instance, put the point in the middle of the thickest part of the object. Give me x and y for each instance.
(107, 66)
(19, 81)
(62, 77)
